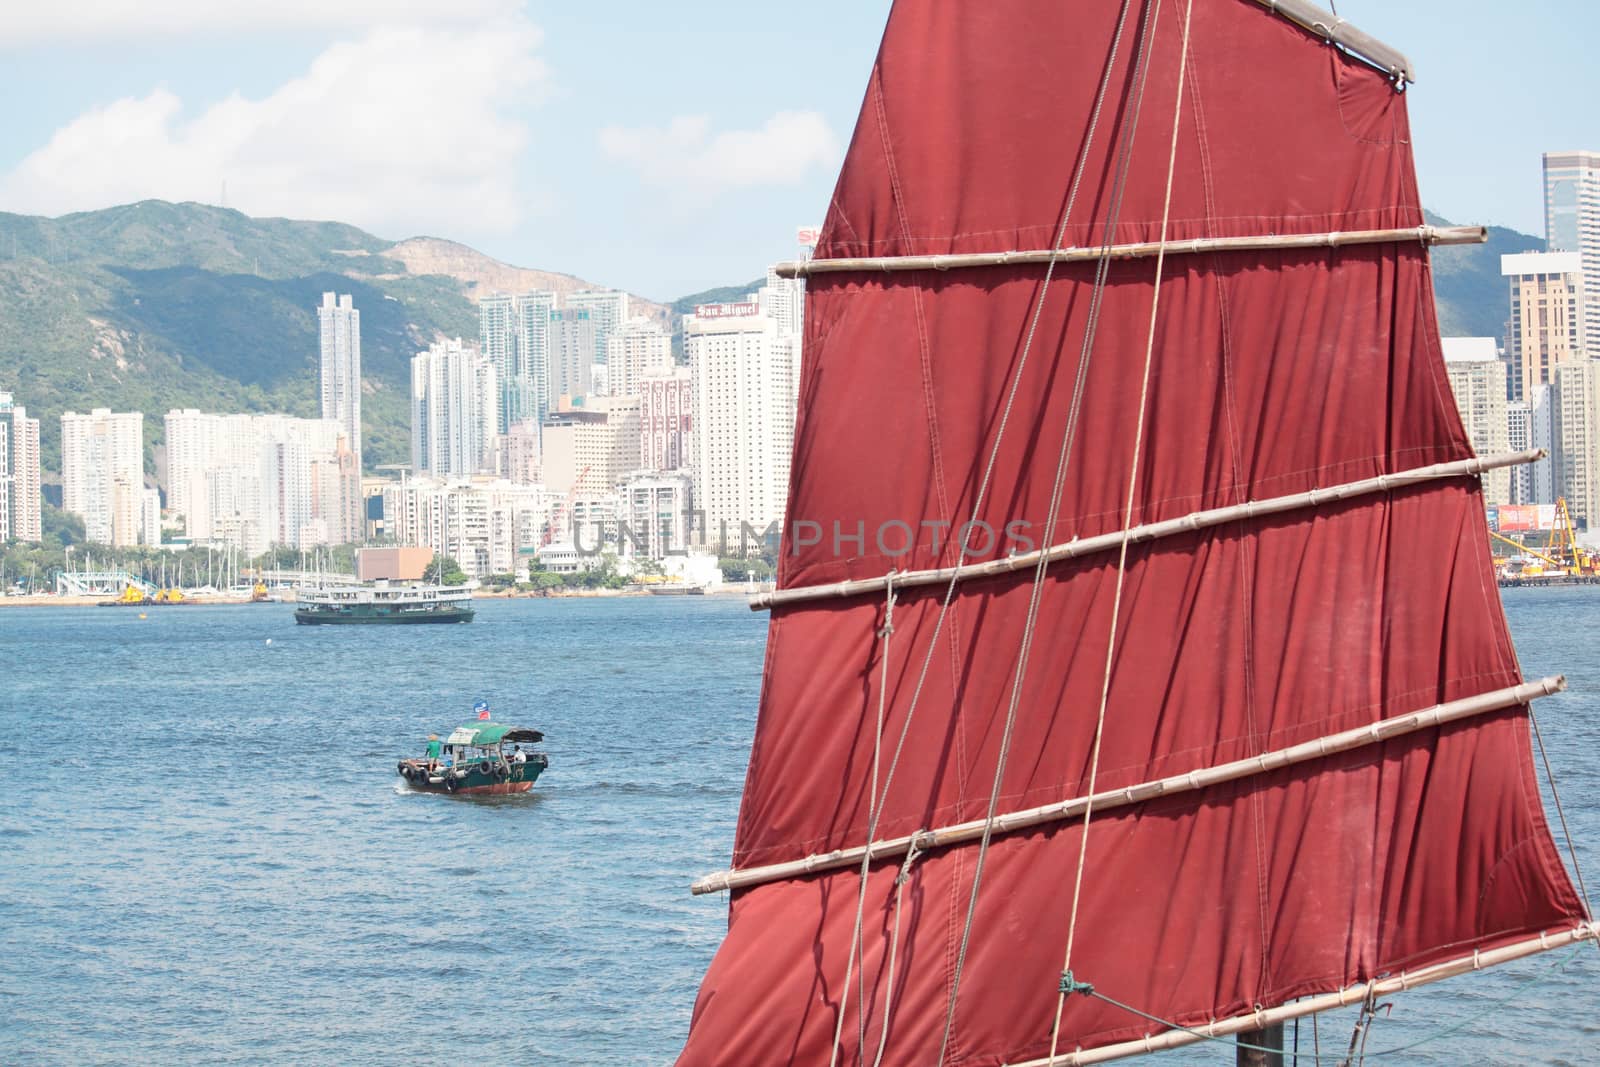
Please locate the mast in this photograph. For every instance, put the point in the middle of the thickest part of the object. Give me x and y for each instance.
(1135, 667)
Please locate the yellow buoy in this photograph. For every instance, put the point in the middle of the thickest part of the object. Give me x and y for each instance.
(141, 615)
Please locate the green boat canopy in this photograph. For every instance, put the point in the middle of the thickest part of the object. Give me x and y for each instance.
(491, 733)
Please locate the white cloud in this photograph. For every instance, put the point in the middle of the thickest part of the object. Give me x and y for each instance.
(688, 157)
(405, 130)
(31, 21)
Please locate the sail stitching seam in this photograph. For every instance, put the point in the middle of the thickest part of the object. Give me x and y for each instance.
(983, 489)
(1140, 74)
(1127, 524)
(1172, 785)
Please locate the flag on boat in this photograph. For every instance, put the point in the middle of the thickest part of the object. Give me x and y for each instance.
(1265, 639)
(482, 708)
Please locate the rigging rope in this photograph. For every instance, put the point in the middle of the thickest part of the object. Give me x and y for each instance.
(1561, 812)
(856, 952)
(876, 810)
(1063, 464)
(1070, 985)
(1127, 524)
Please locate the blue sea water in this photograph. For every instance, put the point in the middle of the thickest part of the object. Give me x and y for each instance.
(205, 855)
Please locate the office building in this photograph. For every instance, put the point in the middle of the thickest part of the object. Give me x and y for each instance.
(1572, 223)
(1546, 325)
(666, 418)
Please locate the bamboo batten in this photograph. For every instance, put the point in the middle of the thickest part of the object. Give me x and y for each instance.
(1168, 1039)
(1061, 811)
(1331, 27)
(1199, 520)
(1428, 235)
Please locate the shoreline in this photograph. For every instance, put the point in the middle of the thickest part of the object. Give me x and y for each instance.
(52, 600)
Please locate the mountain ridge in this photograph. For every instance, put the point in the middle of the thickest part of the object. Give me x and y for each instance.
(154, 305)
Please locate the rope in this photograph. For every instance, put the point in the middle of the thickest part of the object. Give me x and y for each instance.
(982, 495)
(1561, 813)
(900, 881)
(1070, 985)
(857, 951)
(1063, 464)
(1127, 524)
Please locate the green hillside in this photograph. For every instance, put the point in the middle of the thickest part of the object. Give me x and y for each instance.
(152, 306)
(1473, 299)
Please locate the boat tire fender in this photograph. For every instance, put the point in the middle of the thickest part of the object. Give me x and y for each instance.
(451, 784)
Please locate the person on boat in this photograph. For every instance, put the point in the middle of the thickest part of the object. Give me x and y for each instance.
(518, 756)
(433, 751)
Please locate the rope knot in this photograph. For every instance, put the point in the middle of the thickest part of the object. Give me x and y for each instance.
(1069, 986)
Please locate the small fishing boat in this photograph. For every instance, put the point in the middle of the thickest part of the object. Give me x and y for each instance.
(473, 759)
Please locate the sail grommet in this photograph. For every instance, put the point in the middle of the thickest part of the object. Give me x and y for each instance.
(1070, 985)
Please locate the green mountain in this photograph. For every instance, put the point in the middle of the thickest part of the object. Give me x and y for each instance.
(152, 306)
(1473, 299)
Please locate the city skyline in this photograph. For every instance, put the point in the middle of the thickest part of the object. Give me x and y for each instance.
(599, 152)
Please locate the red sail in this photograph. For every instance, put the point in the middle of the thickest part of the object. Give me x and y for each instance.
(1275, 371)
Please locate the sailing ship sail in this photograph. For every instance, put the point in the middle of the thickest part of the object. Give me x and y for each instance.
(1136, 661)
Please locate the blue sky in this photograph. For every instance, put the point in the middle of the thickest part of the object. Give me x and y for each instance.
(663, 148)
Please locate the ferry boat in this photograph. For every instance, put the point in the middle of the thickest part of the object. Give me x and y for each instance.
(382, 603)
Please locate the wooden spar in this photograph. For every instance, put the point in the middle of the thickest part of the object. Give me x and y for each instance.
(1331, 27)
(1587, 931)
(1429, 235)
(1361, 736)
(1199, 520)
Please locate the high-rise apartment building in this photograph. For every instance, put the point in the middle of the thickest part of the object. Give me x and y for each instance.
(340, 327)
(532, 316)
(514, 336)
(1530, 424)
(745, 370)
(573, 354)
(666, 420)
(656, 510)
(454, 400)
(19, 473)
(1577, 438)
(484, 524)
(519, 455)
(102, 474)
(609, 313)
(258, 480)
(1572, 223)
(638, 349)
(1546, 325)
(1478, 380)
(590, 449)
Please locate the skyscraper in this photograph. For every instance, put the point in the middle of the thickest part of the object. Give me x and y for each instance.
(340, 324)
(454, 398)
(1572, 223)
(572, 355)
(19, 473)
(514, 335)
(102, 474)
(1546, 325)
(745, 379)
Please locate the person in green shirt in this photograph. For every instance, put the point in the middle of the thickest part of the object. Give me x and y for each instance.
(433, 752)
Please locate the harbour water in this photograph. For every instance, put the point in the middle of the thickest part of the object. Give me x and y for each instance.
(205, 856)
